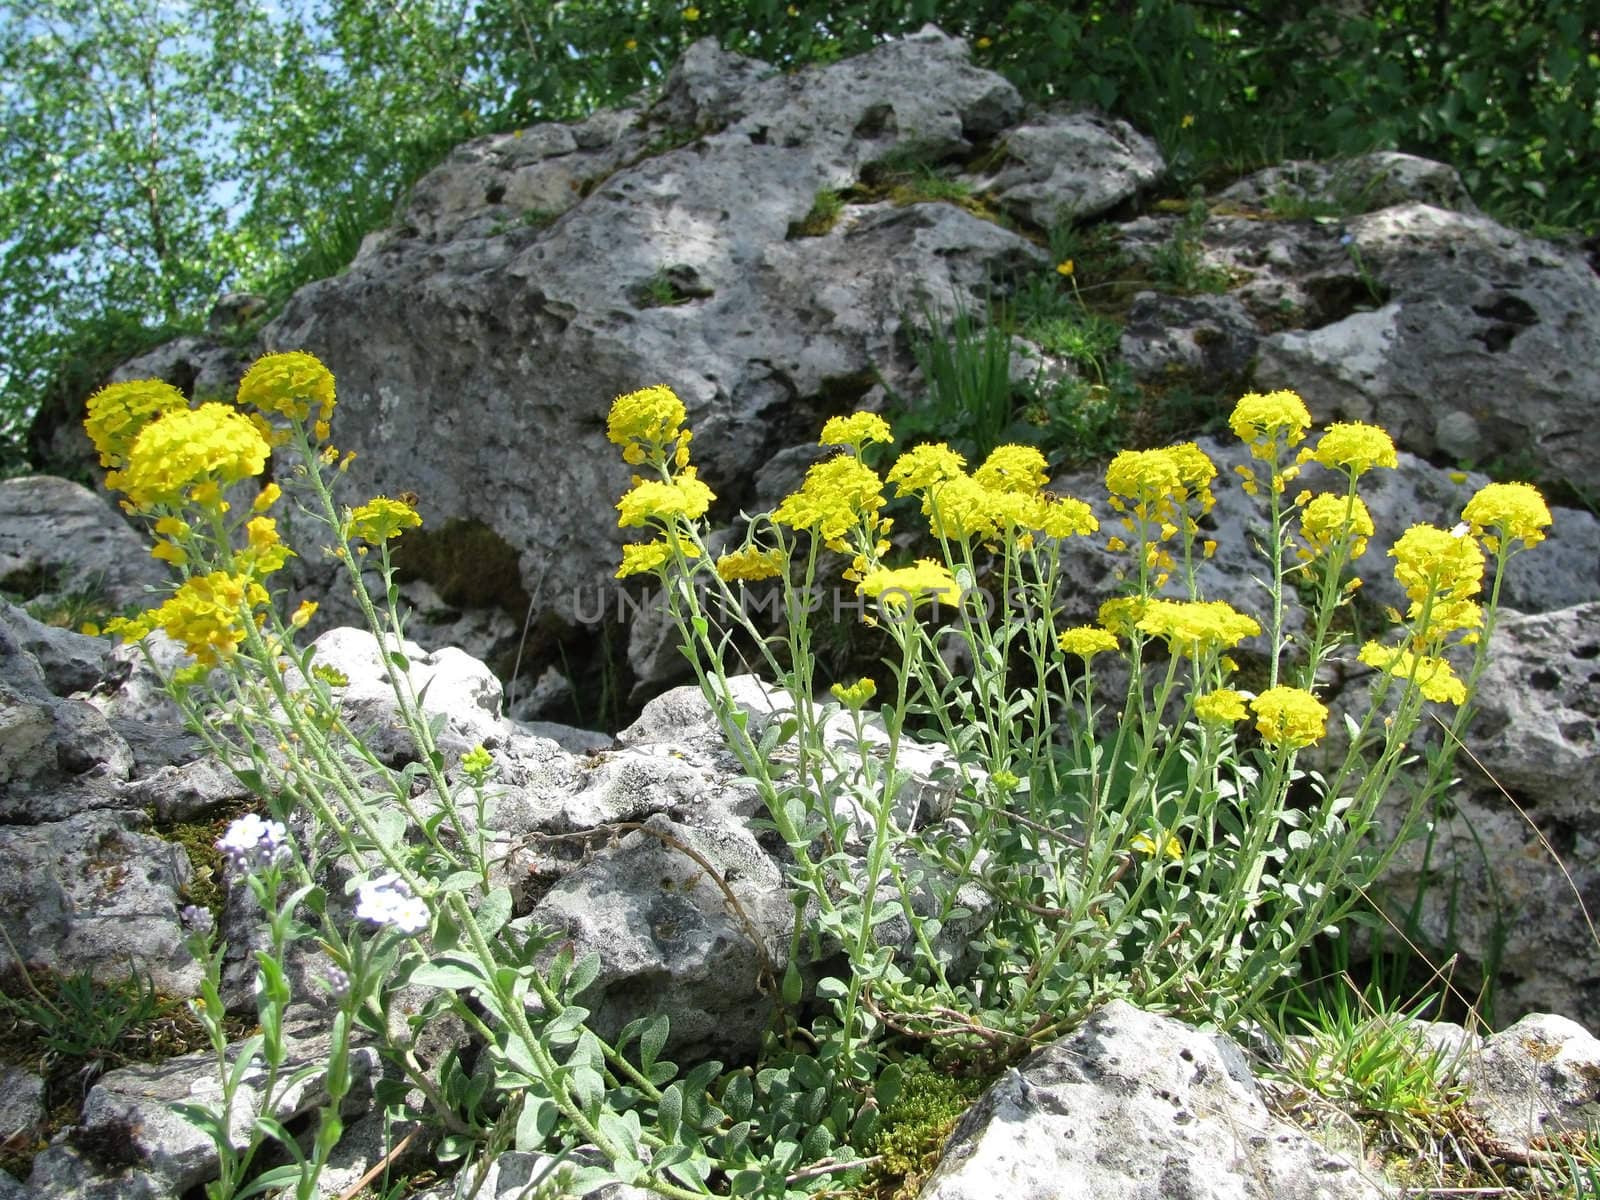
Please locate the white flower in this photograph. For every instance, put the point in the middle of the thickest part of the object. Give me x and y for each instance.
(388, 901)
(251, 843)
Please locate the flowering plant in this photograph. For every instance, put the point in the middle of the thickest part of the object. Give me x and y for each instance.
(1147, 829)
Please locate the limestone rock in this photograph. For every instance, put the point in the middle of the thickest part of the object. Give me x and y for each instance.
(95, 892)
(1133, 1106)
(1070, 166)
(1361, 184)
(1471, 357)
(1536, 1085)
(57, 538)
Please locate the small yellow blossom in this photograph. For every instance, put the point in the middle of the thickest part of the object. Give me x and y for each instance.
(477, 763)
(380, 519)
(290, 384)
(1290, 717)
(190, 455)
(1143, 475)
(1223, 706)
(839, 496)
(641, 558)
(1171, 847)
(1440, 573)
(656, 500)
(1064, 517)
(1353, 447)
(752, 565)
(1433, 675)
(1187, 122)
(691, 14)
(266, 498)
(1328, 520)
(960, 508)
(1121, 614)
(645, 423)
(896, 588)
(923, 466)
(630, 45)
(1196, 627)
(983, 43)
(1066, 267)
(302, 614)
(1013, 469)
(1086, 641)
(1514, 510)
(206, 614)
(1265, 420)
(119, 412)
(855, 431)
(856, 695)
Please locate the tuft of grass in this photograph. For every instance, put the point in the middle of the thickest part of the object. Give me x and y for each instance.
(1180, 264)
(825, 211)
(967, 389)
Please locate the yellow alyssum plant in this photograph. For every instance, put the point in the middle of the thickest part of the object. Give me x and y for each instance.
(1164, 843)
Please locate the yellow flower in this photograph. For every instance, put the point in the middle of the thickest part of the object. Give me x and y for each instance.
(752, 564)
(1354, 448)
(1223, 706)
(1195, 627)
(118, 412)
(477, 763)
(168, 552)
(380, 519)
(1187, 122)
(1440, 573)
(856, 695)
(641, 558)
(1063, 517)
(1121, 615)
(630, 45)
(654, 499)
(923, 466)
(1516, 510)
(960, 508)
(1146, 845)
(983, 43)
(644, 423)
(89, 629)
(1290, 717)
(691, 14)
(191, 455)
(265, 551)
(289, 384)
(899, 587)
(1328, 520)
(1434, 676)
(1065, 267)
(1264, 420)
(206, 614)
(855, 431)
(1011, 468)
(838, 496)
(303, 614)
(1143, 475)
(266, 498)
(1086, 641)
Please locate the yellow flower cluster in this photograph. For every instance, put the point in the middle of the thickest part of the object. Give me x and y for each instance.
(1440, 571)
(960, 508)
(380, 519)
(1328, 520)
(855, 431)
(1222, 706)
(1515, 512)
(1433, 675)
(839, 496)
(1013, 470)
(1268, 421)
(1086, 641)
(1161, 493)
(1196, 627)
(899, 587)
(856, 695)
(752, 565)
(1354, 448)
(1290, 717)
(641, 558)
(207, 614)
(118, 413)
(291, 385)
(191, 456)
(648, 425)
(656, 500)
(923, 466)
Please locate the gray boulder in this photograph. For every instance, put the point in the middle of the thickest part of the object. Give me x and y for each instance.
(1534, 1086)
(1471, 358)
(1135, 1106)
(1362, 184)
(58, 540)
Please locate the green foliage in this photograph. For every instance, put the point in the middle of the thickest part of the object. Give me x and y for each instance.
(78, 1018)
(914, 1128)
(967, 394)
(1179, 264)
